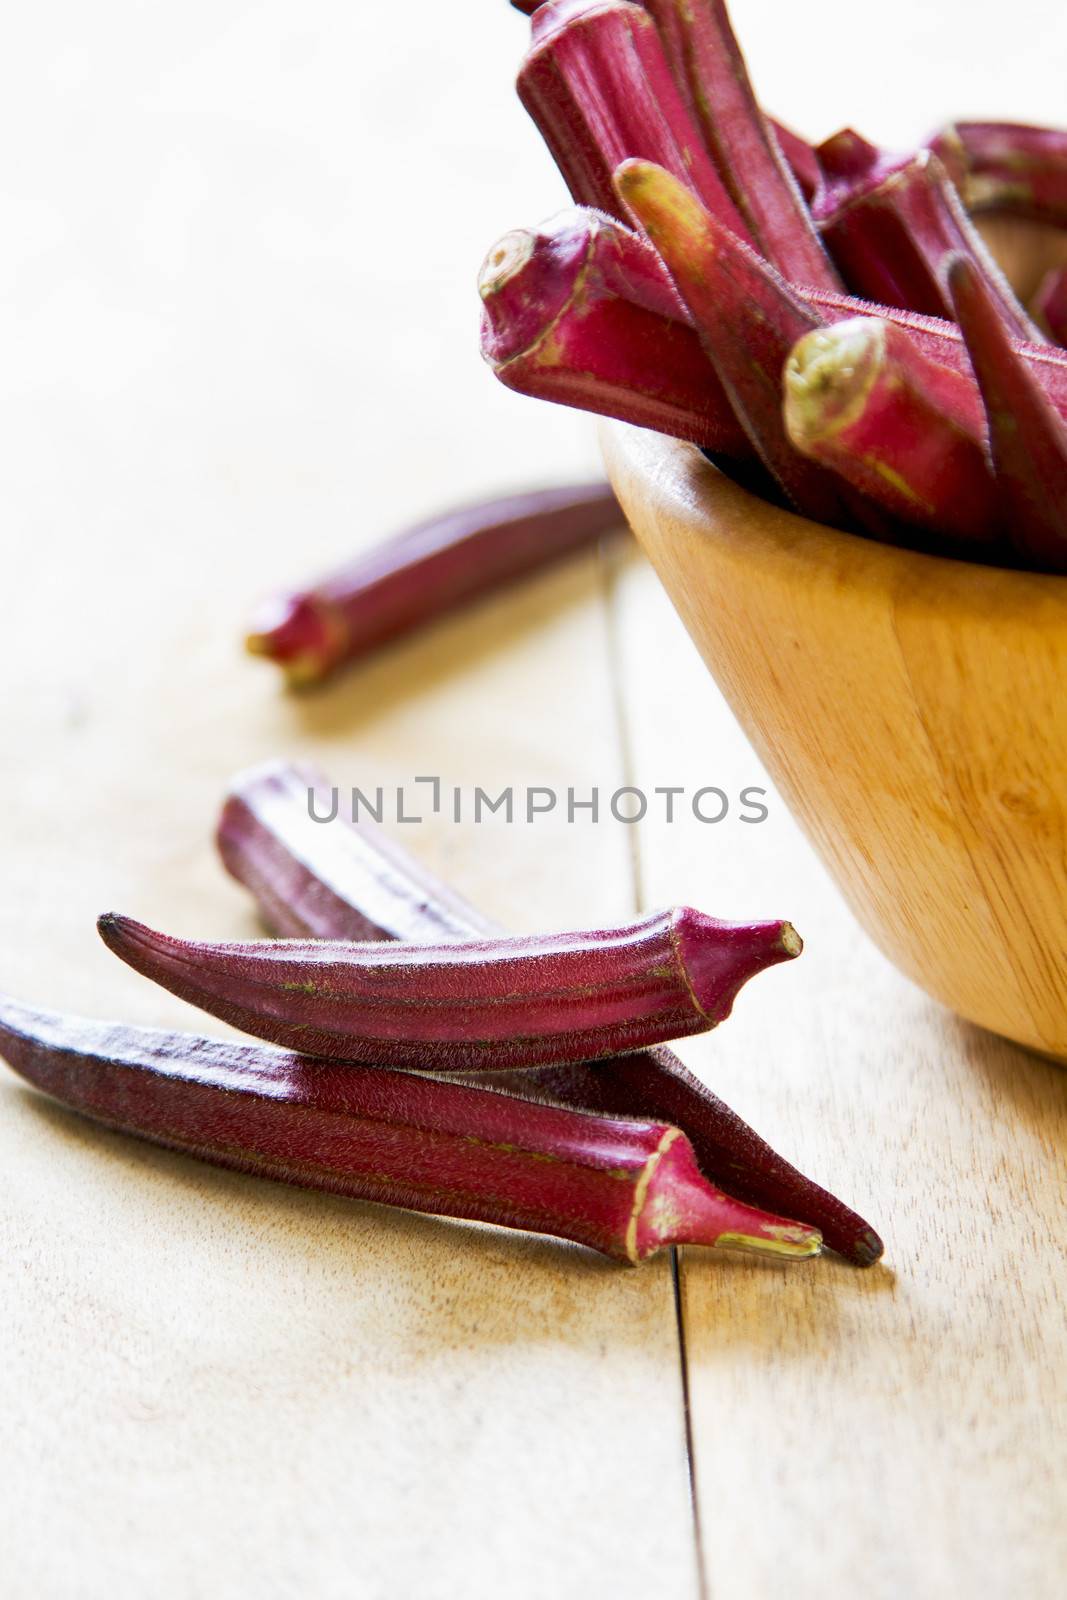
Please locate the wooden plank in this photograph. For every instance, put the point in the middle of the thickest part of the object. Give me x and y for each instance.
(893, 1432)
(223, 374)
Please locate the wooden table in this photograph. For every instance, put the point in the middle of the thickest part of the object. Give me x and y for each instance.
(239, 342)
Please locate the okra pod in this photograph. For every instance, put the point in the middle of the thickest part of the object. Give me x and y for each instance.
(424, 572)
(941, 340)
(707, 62)
(797, 152)
(580, 311)
(625, 1188)
(331, 880)
(1007, 166)
(892, 225)
(748, 319)
(460, 1007)
(598, 85)
(1027, 438)
(348, 880)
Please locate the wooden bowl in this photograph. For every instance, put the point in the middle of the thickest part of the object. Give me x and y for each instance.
(911, 710)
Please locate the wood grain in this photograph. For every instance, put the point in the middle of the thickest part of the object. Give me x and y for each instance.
(238, 317)
(212, 1386)
(900, 1432)
(911, 710)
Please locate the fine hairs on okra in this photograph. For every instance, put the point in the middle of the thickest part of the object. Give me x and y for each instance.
(351, 881)
(1049, 304)
(893, 223)
(623, 1187)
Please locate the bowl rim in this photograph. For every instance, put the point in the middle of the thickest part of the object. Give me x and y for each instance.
(673, 479)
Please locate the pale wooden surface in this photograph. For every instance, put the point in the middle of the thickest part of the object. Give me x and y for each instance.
(902, 1431)
(231, 355)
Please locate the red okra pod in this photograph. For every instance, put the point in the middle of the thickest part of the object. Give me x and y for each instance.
(424, 572)
(892, 225)
(1050, 304)
(1007, 166)
(461, 1007)
(335, 880)
(347, 880)
(801, 158)
(1027, 438)
(707, 62)
(625, 1188)
(798, 153)
(598, 85)
(861, 398)
(748, 319)
(580, 311)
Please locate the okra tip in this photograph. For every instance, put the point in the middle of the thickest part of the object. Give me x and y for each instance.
(297, 633)
(661, 203)
(867, 1249)
(720, 957)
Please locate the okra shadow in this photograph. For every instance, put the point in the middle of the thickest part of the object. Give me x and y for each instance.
(465, 643)
(790, 1313)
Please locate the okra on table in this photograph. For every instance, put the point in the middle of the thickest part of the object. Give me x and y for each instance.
(623, 1187)
(350, 880)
